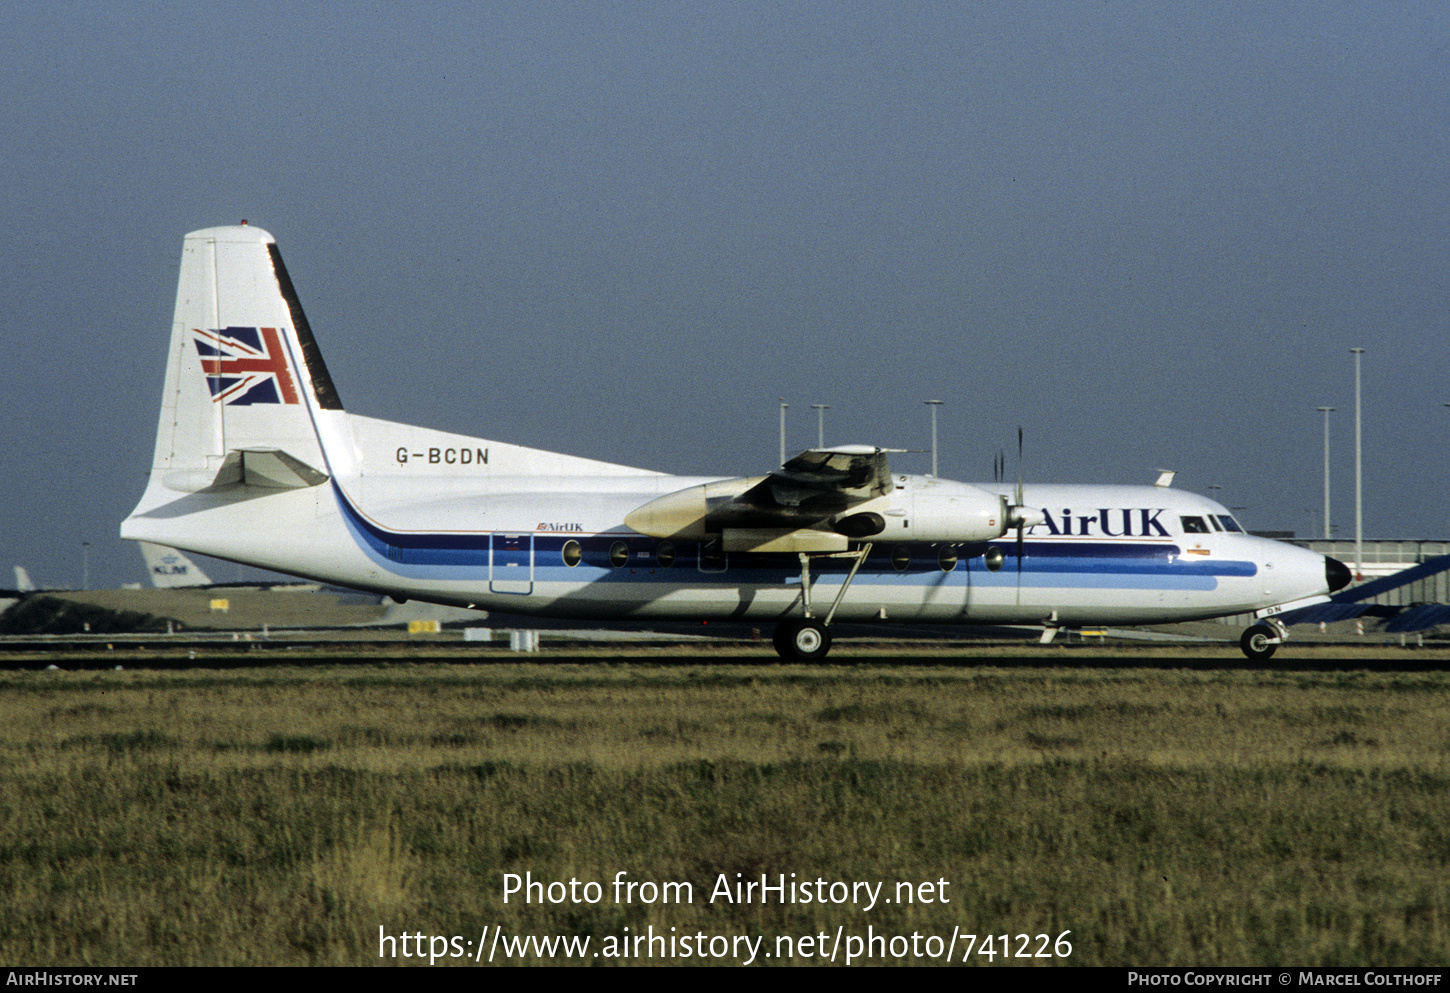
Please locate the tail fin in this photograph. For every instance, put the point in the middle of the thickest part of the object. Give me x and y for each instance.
(171, 569)
(244, 373)
(251, 426)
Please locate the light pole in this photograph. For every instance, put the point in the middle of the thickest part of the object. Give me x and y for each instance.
(1326, 411)
(85, 565)
(1358, 476)
(933, 404)
(820, 409)
(783, 407)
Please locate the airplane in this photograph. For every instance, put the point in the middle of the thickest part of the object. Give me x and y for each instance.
(258, 462)
(170, 569)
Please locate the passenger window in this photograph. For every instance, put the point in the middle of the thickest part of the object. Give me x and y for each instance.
(1194, 525)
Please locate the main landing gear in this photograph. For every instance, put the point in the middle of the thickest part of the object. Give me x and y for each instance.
(805, 639)
(1263, 639)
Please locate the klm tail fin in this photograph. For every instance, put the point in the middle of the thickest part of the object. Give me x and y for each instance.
(170, 569)
(244, 374)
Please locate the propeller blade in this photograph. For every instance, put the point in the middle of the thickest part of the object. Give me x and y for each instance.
(1020, 519)
(1019, 567)
(1019, 465)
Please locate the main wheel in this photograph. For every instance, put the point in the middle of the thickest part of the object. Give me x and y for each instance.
(802, 641)
(1259, 642)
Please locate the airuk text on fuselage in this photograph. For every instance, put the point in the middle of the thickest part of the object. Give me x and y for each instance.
(1105, 522)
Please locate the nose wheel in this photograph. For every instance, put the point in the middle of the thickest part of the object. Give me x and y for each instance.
(1260, 641)
(802, 640)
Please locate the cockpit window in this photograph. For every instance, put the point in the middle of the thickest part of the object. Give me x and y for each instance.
(1214, 521)
(1194, 525)
(1229, 524)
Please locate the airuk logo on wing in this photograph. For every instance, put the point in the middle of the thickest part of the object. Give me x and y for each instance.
(244, 366)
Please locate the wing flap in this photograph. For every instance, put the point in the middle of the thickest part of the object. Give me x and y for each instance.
(775, 540)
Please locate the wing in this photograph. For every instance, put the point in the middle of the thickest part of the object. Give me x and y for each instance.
(810, 493)
(816, 485)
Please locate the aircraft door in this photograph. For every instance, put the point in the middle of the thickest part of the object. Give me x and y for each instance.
(511, 563)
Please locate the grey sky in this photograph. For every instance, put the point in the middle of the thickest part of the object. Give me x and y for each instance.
(1148, 233)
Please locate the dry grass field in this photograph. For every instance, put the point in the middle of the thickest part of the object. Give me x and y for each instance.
(283, 815)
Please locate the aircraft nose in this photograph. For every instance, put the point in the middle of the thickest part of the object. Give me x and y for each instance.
(1337, 573)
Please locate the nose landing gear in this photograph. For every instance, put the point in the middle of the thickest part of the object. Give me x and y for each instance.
(1261, 640)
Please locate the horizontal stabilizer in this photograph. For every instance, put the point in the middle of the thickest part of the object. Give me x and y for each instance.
(269, 468)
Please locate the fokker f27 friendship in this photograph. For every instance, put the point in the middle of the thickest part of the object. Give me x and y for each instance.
(257, 462)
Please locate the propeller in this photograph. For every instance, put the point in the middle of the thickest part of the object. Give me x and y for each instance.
(1020, 517)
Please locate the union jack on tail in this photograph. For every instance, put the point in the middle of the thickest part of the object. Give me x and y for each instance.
(244, 366)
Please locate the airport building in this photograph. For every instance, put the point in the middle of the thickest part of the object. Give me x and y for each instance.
(1383, 558)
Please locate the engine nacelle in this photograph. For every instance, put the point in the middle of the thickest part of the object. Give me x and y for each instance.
(941, 510)
(916, 508)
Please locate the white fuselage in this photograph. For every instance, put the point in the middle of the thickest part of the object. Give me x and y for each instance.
(1106, 555)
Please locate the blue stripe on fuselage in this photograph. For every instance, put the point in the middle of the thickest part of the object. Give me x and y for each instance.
(1046, 563)
(418, 555)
